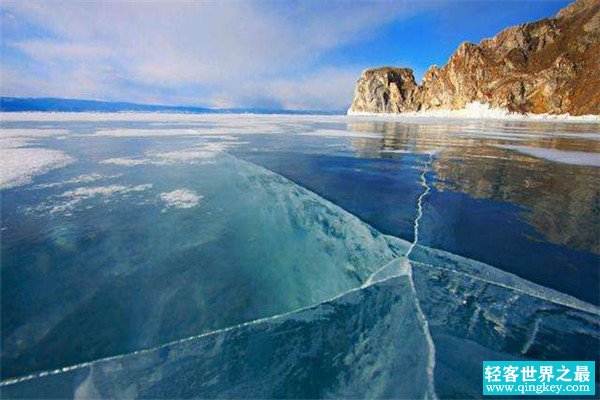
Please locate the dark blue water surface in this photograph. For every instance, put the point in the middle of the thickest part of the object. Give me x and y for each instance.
(381, 192)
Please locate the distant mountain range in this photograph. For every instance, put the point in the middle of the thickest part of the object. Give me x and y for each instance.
(52, 104)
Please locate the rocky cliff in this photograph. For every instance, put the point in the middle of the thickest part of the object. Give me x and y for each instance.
(547, 66)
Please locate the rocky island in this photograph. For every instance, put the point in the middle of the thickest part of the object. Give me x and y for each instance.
(548, 66)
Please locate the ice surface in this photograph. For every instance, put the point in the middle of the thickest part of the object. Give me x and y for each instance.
(258, 245)
(246, 120)
(478, 313)
(366, 343)
(81, 179)
(401, 335)
(561, 156)
(157, 132)
(249, 285)
(87, 197)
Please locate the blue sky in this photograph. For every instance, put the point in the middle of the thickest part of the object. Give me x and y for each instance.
(277, 54)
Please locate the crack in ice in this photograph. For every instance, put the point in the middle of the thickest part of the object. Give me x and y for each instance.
(369, 282)
(418, 216)
(423, 182)
(56, 371)
(420, 314)
(406, 269)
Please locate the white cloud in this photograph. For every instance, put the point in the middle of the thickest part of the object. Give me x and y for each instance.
(200, 52)
(326, 89)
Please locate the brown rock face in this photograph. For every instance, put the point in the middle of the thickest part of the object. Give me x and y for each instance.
(547, 66)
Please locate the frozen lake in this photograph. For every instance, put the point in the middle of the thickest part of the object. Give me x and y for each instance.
(292, 256)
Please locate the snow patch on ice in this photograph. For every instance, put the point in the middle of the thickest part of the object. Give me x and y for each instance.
(181, 198)
(87, 192)
(202, 154)
(560, 156)
(397, 151)
(126, 161)
(242, 120)
(20, 163)
(476, 110)
(71, 199)
(81, 179)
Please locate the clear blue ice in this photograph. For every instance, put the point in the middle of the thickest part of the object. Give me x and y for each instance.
(292, 257)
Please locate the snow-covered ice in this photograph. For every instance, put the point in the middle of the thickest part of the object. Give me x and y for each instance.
(70, 200)
(20, 165)
(20, 158)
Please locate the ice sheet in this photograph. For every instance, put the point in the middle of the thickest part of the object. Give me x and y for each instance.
(367, 343)
(400, 335)
(164, 263)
